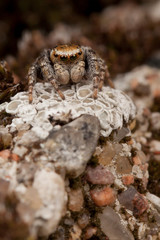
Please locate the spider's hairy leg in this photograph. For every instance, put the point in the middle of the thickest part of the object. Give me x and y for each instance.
(48, 71)
(102, 67)
(93, 67)
(104, 74)
(57, 89)
(32, 75)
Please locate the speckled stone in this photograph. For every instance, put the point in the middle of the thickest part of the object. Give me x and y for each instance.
(99, 175)
(103, 197)
(112, 226)
(133, 201)
(76, 200)
(123, 165)
(72, 146)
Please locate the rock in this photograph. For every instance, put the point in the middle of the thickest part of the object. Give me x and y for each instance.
(112, 226)
(8, 155)
(108, 153)
(128, 179)
(123, 165)
(155, 146)
(76, 200)
(154, 199)
(155, 121)
(83, 220)
(90, 231)
(50, 188)
(99, 175)
(103, 197)
(119, 134)
(67, 146)
(75, 232)
(133, 201)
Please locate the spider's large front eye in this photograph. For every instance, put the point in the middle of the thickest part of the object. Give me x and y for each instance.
(63, 58)
(73, 57)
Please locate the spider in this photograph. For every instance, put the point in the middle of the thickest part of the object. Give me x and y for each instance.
(68, 63)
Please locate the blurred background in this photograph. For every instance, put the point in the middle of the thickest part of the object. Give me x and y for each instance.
(124, 33)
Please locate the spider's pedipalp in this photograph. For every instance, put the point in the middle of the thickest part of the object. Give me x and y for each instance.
(48, 71)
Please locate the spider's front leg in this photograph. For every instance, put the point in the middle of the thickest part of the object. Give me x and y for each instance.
(104, 74)
(93, 68)
(48, 71)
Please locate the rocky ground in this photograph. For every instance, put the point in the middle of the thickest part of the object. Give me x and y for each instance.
(83, 168)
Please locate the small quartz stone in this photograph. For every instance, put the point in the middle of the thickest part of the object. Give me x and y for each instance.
(128, 179)
(99, 175)
(137, 160)
(155, 121)
(154, 199)
(83, 221)
(75, 200)
(8, 155)
(108, 153)
(118, 135)
(75, 232)
(103, 197)
(112, 226)
(90, 231)
(133, 201)
(123, 165)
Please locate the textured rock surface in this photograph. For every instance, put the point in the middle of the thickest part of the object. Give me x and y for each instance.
(72, 146)
(112, 227)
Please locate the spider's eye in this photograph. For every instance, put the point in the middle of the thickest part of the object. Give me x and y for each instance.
(56, 55)
(79, 53)
(73, 57)
(63, 58)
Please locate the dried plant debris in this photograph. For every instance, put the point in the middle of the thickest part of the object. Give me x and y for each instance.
(7, 86)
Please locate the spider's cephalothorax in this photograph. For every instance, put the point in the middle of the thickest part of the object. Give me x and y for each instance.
(68, 63)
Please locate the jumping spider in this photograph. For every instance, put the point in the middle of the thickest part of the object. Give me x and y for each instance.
(66, 63)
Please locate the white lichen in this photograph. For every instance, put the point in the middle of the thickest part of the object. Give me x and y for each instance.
(112, 107)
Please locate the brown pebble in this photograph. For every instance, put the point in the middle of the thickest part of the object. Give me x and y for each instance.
(99, 175)
(76, 200)
(136, 160)
(128, 179)
(156, 92)
(90, 231)
(140, 204)
(133, 201)
(15, 157)
(103, 197)
(7, 154)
